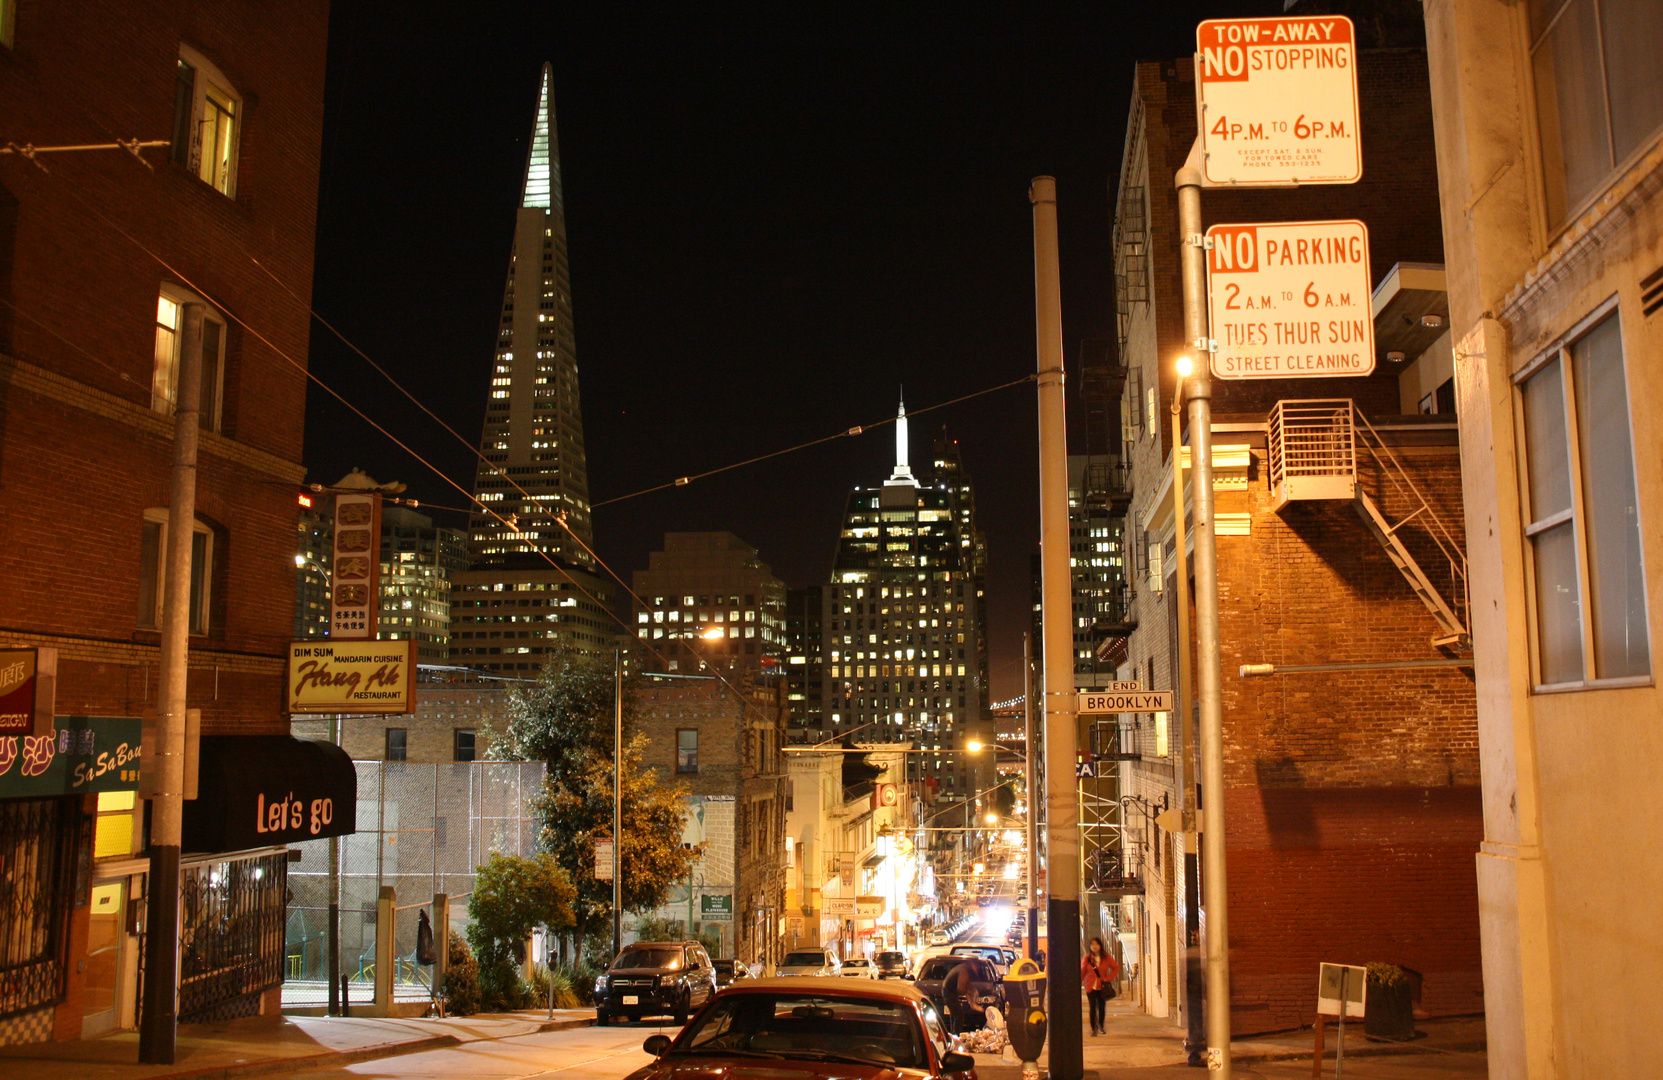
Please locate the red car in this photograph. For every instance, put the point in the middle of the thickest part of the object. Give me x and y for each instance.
(813, 1029)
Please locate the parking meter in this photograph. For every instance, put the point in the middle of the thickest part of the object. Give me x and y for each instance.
(1025, 1013)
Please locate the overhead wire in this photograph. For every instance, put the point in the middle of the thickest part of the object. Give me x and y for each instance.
(561, 518)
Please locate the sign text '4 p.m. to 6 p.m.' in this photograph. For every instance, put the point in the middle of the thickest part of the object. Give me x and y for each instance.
(1277, 101)
(1290, 299)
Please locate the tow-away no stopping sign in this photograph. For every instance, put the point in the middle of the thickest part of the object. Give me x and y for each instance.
(1277, 101)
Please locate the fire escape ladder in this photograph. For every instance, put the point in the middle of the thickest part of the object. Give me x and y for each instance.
(1314, 447)
(1454, 633)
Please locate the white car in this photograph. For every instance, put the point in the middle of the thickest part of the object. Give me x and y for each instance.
(859, 967)
(940, 937)
(809, 962)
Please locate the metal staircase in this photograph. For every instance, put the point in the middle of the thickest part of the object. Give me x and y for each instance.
(1313, 455)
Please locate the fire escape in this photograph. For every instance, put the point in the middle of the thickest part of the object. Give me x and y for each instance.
(1313, 455)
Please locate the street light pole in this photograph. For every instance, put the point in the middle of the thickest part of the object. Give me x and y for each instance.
(1195, 1041)
(1062, 900)
(1033, 796)
(1199, 392)
(617, 802)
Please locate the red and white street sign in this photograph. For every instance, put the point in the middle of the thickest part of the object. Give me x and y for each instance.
(1277, 101)
(1290, 300)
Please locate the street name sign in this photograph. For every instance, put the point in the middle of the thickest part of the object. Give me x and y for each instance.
(1277, 101)
(1290, 299)
(1100, 701)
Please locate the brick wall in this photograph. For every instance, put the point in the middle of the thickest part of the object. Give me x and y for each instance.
(81, 453)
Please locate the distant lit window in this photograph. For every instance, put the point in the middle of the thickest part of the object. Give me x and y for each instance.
(170, 330)
(687, 750)
(1582, 513)
(398, 742)
(1599, 90)
(207, 118)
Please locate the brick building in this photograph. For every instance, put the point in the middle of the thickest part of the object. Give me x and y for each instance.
(725, 748)
(1352, 799)
(102, 259)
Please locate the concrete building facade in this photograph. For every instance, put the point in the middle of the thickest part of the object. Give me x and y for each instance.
(1549, 120)
(708, 598)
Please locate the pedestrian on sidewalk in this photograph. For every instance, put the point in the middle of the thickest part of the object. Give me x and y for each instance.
(1098, 972)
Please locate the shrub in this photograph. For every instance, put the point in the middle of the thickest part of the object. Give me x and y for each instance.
(462, 994)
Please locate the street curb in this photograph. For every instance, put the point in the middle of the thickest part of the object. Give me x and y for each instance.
(1000, 1071)
(330, 1058)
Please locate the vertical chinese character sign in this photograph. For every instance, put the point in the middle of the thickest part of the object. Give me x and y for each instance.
(355, 584)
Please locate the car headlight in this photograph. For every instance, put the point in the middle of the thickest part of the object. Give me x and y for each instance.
(600, 984)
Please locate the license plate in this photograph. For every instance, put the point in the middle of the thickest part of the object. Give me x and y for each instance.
(631, 999)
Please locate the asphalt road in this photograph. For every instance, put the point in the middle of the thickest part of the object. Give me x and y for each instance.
(592, 1053)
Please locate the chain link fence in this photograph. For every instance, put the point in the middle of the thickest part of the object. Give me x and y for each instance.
(423, 828)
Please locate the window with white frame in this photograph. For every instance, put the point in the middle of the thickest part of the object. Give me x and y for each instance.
(207, 122)
(1599, 90)
(170, 331)
(1582, 511)
(153, 572)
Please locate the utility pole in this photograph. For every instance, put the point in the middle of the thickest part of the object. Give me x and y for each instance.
(1198, 394)
(159, 1025)
(1195, 1041)
(618, 802)
(1062, 900)
(1031, 744)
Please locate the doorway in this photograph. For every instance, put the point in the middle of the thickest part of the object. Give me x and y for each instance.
(106, 961)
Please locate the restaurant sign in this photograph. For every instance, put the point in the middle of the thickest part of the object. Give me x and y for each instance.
(352, 677)
(82, 754)
(28, 680)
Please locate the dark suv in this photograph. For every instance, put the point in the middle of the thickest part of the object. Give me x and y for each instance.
(655, 978)
(985, 987)
(893, 965)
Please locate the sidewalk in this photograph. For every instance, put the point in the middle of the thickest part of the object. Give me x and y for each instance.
(1138, 1042)
(277, 1044)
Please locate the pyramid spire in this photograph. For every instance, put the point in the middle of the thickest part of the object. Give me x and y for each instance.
(541, 189)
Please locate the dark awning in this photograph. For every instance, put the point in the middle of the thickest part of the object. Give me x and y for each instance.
(256, 791)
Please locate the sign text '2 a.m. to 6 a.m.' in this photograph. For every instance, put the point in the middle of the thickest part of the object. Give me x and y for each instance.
(1277, 101)
(1290, 300)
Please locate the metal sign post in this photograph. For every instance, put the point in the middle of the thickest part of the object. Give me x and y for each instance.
(1276, 106)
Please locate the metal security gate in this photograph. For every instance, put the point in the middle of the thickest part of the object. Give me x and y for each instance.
(37, 838)
(231, 934)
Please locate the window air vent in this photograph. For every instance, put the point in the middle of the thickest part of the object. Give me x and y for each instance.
(1651, 291)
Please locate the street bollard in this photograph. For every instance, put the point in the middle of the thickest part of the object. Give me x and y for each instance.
(386, 936)
(346, 1006)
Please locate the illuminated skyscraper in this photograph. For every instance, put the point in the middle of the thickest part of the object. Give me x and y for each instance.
(532, 591)
(901, 628)
(533, 423)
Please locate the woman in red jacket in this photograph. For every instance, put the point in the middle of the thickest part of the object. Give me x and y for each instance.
(1098, 972)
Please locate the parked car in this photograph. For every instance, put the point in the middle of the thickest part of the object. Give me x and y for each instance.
(940, 937)
(791, 1028)
(892, 965)
(729, 972)
(809, 962)
(993, 954)
(655, 978)
(859, 967)
(985, 986)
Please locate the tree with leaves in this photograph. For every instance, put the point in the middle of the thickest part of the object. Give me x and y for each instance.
(512, 896)
(577, 812)
(566, 721)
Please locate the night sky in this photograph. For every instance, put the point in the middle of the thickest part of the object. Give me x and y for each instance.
(777, 215)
